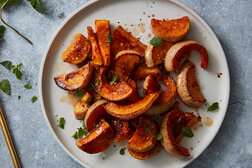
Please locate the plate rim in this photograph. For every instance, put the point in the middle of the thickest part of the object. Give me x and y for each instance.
(75, 12)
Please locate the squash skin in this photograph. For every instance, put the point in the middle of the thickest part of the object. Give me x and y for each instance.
(171, 30)
(97, 140)
(77, 51)
(75, 80)
(141, 72)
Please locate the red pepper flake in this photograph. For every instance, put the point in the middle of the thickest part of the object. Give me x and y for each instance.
(219, 75)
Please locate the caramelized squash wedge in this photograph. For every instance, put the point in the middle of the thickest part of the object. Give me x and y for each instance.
(146, 155)
(75, 80)
(78, 50)
(123, 40)
(121, 129)
(141, 72)
(94, 114)
(166, 98)
(171, 127)
(179, 49)
(188, 87)
(115, 92)
(124, 63)
(97, 140)
(144, 138)
(150, 85)
(96, 54)
(171, 30)
(102, 28)
(135, 96)
(132, 110)
(81, 108)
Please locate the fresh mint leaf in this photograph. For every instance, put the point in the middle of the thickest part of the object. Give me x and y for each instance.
(213, 107)
(114, 79)
(186, 131)
(90, 100)
(62, 123)
(109, 38)
(2, 29)
(17, 70)
(79, 93)
(5, 86)
(33, 99)
(122, 151)
(85, 128)
(156, 42)
(75, 135)
(36, 4)
(159, 136)
(27, 86)
(6, 64)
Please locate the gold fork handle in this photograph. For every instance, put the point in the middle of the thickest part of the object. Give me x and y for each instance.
(8, 140)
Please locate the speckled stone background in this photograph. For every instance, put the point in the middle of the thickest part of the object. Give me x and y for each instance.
(36, 147)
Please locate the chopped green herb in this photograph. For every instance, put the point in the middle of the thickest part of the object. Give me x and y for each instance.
(186, 131)
(33, 99)
(17, 70)
(82, 63)
(98, 82)
(2, 29)
(79, 93)
(80, 133)
(165, 72)
(36, 4)
(159, 136)
(61, 123)
(19, 97)
(6, 64)
(5, 86)
(85, 128)
(156, 42)
(109, 38)
(36, 84)
(90, 100)
(147, 130)
(122, 151)
(213, 107)
(114, 79)
(93, 86)
(27, 86)
(75, 135)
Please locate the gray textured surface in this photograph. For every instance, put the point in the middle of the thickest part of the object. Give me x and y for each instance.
(229, 19)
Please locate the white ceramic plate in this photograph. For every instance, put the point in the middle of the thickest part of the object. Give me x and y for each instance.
(130, 13)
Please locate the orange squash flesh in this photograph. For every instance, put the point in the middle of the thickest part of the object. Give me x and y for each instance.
(97, 140)
(146, 155)
(150, 85)
(144, 138)
(78, 50)
(124, 65)
(132, 110)
(81, 108)
(115, 92)
(158, 53)
(135, 96)
(96, 54)
(121, 129)
(123, 40)
(171, 30)
(102, 28)
(141, 72)
(75, 80)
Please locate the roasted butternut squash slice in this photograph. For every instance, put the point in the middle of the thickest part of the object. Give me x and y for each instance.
(122, 129)
(132, 110)
(171, 30)
(188, 87)
(94, 114)
(102, 28)
(96, 54)
(75, 80)
(135, 96)
(115, 92)
(171, 127)
(150, 85)
(97, 140)
(166, 98)
(144, 138)
(123, 40)
(124, 63)
(178, 50)
(81, 108)
(78, 50)
(146, 155)
(141, 72)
